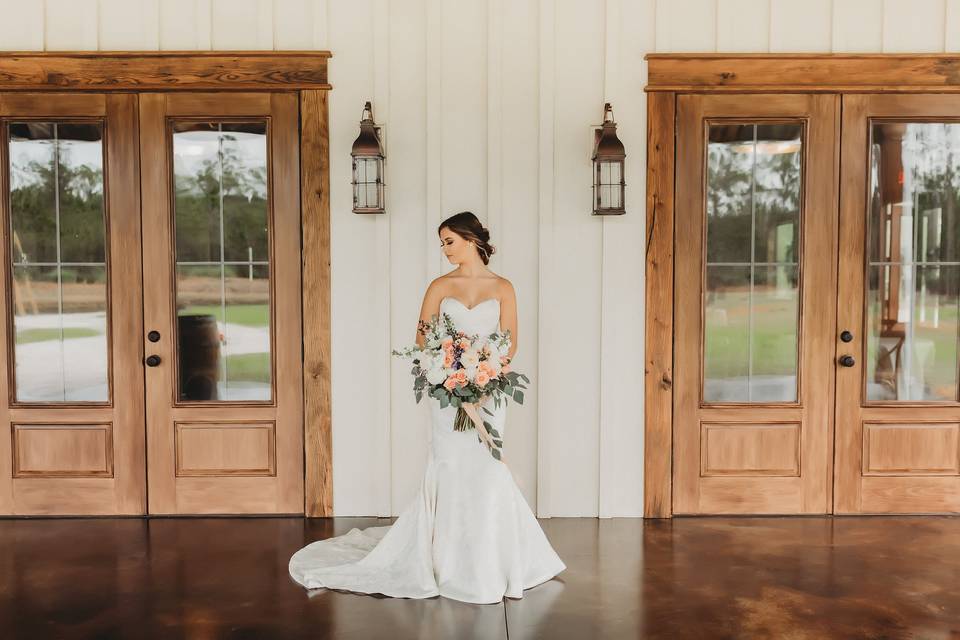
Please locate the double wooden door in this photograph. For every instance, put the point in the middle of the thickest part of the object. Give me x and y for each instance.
(152, 312)
(816, 307)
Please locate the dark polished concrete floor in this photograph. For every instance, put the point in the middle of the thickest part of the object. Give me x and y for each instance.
(626, 578)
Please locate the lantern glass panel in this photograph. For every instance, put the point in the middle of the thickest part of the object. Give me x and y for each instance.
(367, 186)
(609, 184)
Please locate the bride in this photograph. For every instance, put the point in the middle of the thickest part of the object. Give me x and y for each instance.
(469, 533)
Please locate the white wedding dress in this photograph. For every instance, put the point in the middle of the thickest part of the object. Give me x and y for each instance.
(468, 534)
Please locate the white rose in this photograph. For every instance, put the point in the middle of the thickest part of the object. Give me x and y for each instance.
(436, 375)
(470, 358)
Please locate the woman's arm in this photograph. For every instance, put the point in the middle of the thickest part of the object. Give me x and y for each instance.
(429, 307)
(508, 315)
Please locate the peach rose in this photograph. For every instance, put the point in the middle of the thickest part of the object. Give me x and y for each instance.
(482, 378)
(448, 360)
(447, 343)
(505, 368)
(464, 344)
(460, 376)
(450, 383)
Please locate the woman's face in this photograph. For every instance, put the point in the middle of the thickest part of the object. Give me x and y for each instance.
(454, 246)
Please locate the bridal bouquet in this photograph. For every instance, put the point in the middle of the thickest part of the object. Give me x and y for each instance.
(463, 370)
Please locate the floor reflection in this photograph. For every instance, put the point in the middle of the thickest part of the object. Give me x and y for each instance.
(625, 578)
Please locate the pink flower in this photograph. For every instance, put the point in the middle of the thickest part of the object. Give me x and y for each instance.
(504, 359)
(450, 383)
(460, 376)
(448, 359)
(464, 344)
(482, 377)
(447, 343)
(505, 368)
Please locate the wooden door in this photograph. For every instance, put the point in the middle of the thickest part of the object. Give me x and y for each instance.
(898, 409)
(72, 420)
(221, 259)
(754, 303)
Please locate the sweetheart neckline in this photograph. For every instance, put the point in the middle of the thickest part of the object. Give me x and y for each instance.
(465, 306)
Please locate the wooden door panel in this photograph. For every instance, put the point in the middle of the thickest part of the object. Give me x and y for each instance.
(753, 359)
(897, 404)
(224, 403)
(73, 407)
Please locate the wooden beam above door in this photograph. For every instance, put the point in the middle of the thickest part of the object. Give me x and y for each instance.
(163, 70)
(826, 72)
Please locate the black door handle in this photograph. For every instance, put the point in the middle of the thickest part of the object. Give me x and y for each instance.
(153, 361)
(153, 336)
(847, 361)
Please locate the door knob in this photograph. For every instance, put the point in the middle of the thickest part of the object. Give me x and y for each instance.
(846, 336)
(847, 361)
(153, 361)
(153, 336)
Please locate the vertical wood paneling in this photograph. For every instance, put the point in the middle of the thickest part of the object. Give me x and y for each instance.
(321, 20)
(743, 25)
(361, 442)
(293, 24)
(21, 28)
(463, 119)
(686, 25)
(546, 171)
(857, 25)
(381, 303)
(914, 26)
(622, 268)
(184, 24)
(952, 27)
(129, 25)
(410, 240)
(801, 26)
(516, 234)
(71, 25)
(241, 24)
(435, 262)
(574, 315)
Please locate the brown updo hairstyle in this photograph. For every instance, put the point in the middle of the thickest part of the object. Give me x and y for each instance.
(467, 226)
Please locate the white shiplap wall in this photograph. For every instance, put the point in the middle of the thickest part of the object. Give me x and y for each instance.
(486, 106)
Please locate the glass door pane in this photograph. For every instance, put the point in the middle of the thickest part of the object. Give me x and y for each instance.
(221, 221)
(751, 292)
(913, 262)
(58, 261)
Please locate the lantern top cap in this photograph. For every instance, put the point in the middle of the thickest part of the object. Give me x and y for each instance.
(607, 145)
(368, 142)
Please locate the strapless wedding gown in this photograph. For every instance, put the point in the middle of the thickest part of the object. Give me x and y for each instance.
(468, 534)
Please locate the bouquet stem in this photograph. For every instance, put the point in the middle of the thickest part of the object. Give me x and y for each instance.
(462, 422)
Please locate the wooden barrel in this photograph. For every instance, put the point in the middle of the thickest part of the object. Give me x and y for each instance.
(199, 354)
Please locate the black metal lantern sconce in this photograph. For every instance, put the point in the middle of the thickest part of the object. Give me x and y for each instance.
(368, 160)
(608, 155)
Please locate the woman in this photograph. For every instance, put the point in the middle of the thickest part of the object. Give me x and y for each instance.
(469, 533)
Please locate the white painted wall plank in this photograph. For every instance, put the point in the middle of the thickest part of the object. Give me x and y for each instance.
(686, 25)
(71, 25)
(411, 239)
(574, 359)
(240, 24)
(952, 27)
(857, 26)
(129, 25)
(294, 24)
(914, 26)
(361, 433)
(516, 233)
(185, 25)
(801, 26)
(743, 25)
(463, 118)
(622, 267)
(22, 26)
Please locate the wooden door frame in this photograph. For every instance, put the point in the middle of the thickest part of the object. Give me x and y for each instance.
(302, 71)
(673, 74)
